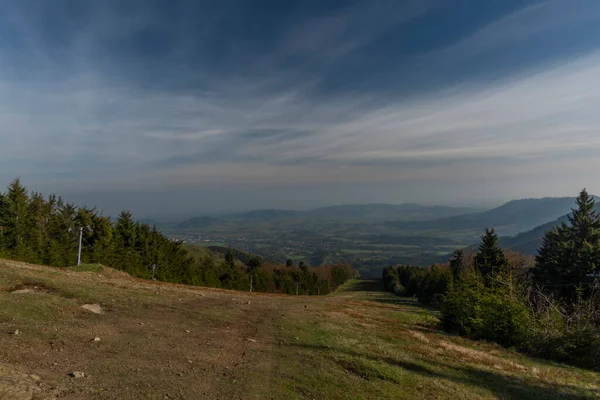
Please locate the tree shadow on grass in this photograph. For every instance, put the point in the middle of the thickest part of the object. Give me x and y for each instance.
(376, 286)
(369, 285)
(500, 385)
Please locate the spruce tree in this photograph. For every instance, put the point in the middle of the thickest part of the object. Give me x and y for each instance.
(3, 205)
(490, 258)
(16, 220)
(456, 264)
(570, 251)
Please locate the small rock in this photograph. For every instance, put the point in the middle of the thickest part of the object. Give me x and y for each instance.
(187, 331)
(35, 377)
(14, 332)
(22, 291)
(94, 308)
(251, 340)
(76, 374)
(96, 339)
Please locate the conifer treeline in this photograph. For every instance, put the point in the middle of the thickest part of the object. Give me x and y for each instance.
(46, 231)
(550, 308)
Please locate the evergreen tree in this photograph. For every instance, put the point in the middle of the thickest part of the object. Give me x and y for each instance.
(62, 247)
(3, 205)
(229, 260)
(125, 240)
(490, 258)
(457, 264)
(38, 235)
(570, 251)
(254, 264)
(16, 220)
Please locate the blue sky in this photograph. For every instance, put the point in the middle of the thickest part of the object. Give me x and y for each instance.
(198, 107)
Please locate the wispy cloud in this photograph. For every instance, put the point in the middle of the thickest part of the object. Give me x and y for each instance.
(266, 118)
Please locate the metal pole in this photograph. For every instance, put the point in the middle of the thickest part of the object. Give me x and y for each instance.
(79, 252)
(251, 276)
(296, 288)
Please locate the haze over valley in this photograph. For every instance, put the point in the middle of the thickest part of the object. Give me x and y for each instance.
(371, 236)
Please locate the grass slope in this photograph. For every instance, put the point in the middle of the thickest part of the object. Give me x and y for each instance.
(171, 341)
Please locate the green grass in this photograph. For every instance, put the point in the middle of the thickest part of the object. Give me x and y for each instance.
(390, 347)
(97, 268)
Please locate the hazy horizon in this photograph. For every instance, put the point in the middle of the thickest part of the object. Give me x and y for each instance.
(162, 209)
(200, 107)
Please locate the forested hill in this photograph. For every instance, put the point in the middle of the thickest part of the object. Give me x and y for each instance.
(530, 241)
(512, 217)
(46, 231)
(356, 212)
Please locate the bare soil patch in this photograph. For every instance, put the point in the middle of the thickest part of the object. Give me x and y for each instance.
(15, 385)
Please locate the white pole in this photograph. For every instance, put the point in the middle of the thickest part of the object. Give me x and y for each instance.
(79, 252)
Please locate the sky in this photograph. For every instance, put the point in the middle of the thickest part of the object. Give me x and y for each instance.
(196, 107)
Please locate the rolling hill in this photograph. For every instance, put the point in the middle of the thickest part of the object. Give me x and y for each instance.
(197, 223)
(530, 241)
(343, 213)
(508, 219)
(375, 212)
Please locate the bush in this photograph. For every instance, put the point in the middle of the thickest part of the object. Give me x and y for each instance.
(433, 285)
(566, 333)
(390, 279)
(399, 290)
(428, 284)
(494, 313)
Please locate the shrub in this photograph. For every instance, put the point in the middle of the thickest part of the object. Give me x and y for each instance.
(494, 313)
(390, 279)
(566, 332)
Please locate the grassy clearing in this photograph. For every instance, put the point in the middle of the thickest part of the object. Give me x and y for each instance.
(162, 340)
(371, 344)
(87, 268)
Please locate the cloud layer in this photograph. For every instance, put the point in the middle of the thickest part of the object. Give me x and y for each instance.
(451, 96)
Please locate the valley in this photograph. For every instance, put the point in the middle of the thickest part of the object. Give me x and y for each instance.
(373, 235)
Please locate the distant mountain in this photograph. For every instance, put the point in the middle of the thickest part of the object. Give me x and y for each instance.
(406, 211)
(372, 212)
(197, 223)
(266, 215)
(529, 242)
(508, 219)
